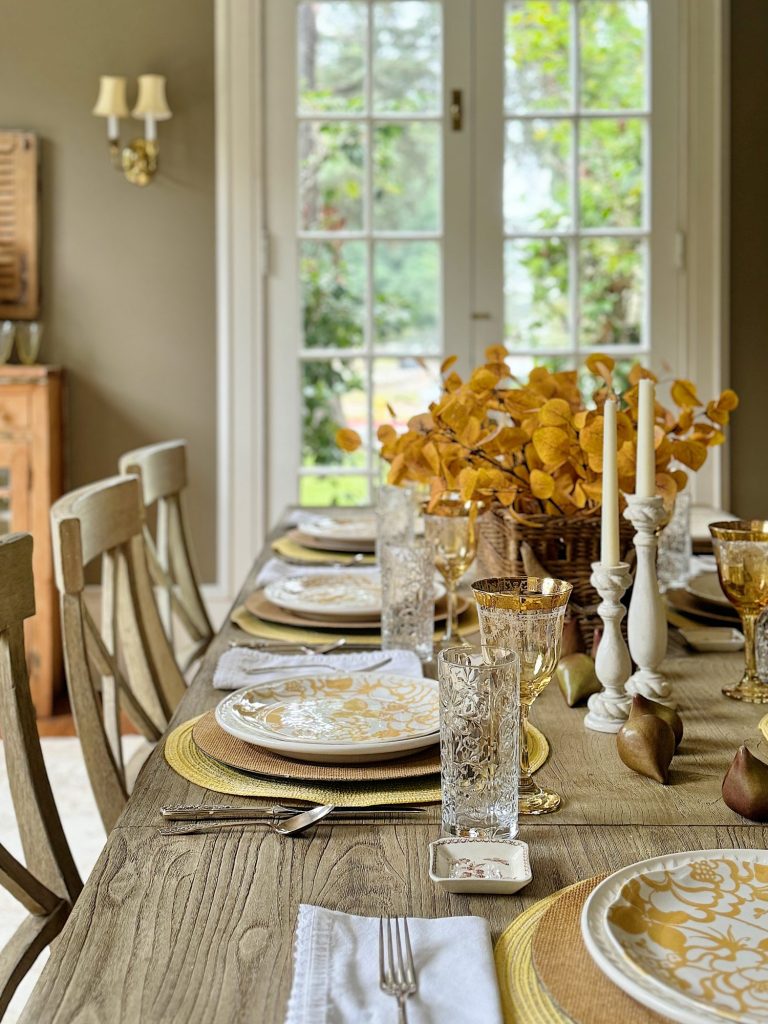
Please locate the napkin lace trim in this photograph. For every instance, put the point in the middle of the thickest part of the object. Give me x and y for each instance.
(308, 1000)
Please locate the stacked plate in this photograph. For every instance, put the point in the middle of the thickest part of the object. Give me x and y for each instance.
(337, 533)
(686, 934)
(336, 719)
(704, 601)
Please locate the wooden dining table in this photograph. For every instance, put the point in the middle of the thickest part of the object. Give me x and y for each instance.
(199, 928)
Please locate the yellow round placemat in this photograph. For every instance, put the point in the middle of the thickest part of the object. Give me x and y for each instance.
(523, 1000)
(188, 761)
(290, 549)
(272, 631)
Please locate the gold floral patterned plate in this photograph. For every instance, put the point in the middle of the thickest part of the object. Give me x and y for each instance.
(364, 716)
(356, 592)
(687, 934)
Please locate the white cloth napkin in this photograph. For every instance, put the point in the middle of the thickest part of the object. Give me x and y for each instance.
(336, 971)
(232, 670)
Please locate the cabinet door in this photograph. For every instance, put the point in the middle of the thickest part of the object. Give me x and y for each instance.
(14, 488)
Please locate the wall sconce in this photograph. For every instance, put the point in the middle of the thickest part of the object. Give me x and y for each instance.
(138, 160)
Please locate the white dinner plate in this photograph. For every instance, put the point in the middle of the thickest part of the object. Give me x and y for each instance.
(409, 705)
(707, 587)
(348, 528)
(681, 934)
(355, 593)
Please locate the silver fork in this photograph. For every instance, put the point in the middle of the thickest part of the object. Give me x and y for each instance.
(313, 664)
(397, 976)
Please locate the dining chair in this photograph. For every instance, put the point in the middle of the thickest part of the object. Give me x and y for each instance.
(127, 663)
(162, 469)
(48, 884)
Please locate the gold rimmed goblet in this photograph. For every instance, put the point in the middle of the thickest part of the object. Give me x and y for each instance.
(451, 527)
(525, 614)
(741, 551)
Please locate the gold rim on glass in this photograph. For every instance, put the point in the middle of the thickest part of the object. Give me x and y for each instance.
(741, 552)
(535, 605)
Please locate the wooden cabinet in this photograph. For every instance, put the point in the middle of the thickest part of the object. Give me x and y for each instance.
(30, 480)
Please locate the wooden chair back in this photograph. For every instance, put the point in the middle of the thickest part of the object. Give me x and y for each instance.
(49, 883)
(126, 664)
(162, 469)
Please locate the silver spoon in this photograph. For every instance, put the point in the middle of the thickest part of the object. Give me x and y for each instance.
(299, 822)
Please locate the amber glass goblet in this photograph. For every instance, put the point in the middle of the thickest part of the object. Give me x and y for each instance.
(451, 527)
(741, 551)
(525, 614)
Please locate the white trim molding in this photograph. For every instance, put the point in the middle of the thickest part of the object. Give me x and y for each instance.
(240, 270)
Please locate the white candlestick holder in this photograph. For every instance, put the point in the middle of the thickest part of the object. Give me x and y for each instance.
(608, 710)
(647, 623)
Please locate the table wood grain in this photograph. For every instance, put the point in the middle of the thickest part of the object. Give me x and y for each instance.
(197, 929)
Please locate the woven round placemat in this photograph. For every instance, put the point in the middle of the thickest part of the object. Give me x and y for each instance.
(214, 742)
(187, 760)
(272, 631)
(582, 992)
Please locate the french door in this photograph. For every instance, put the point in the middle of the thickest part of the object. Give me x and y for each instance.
(443, 175)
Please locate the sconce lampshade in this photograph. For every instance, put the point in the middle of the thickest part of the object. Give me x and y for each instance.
(111, 100)
(151, 101)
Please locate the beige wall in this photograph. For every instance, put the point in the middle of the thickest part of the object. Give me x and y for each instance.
(128, 273)
(749, 255)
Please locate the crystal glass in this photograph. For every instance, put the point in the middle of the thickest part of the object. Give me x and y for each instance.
(29, 334)
(395, 515)
(407, 597)
(451, 526)
(741, 550)
(675, 546)
(479, 723)
(525, 614)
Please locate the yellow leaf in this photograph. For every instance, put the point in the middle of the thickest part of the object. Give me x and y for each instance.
(386, 432)
(591, 437)
(431, 457)
(542, 484)
(680, 477)
(482, 379)
(684, 394)
(552, 445)
(348, 440)
(446, 364)
(495, 354)
(580, 419)
(391, 411)
(452, 382)
(601, 365)
(555, 413)
(719, 410)
(691, 453)
(467, 482)
(638, 373)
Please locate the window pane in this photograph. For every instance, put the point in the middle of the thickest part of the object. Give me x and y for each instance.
(407, 172)
(407, 57)
(333, 294)
(332, 48)
(333, 490)
(331, 161)
(521, 366)
(407, 295)
(537, 175)
(612, 272)
(612, 172)
(536, 293)
(537, 38)
(333, 394)
(613, 41)
(406, 385)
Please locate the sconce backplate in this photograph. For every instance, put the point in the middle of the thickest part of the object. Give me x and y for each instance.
(140, 161)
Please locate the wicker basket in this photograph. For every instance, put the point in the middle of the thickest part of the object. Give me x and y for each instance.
(565, 547)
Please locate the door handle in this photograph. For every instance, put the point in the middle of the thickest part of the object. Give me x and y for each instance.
(456, 110)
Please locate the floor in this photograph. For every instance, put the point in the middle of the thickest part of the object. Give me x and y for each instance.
(81, 823)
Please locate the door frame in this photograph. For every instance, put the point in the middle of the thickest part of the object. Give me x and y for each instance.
(242, 261)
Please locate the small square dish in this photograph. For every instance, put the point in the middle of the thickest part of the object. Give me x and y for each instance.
(713, 638)
(479, 865)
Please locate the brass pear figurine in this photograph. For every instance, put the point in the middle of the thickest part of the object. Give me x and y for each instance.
(576, 678)
(745, 786)
(646, 744)
(645, 706)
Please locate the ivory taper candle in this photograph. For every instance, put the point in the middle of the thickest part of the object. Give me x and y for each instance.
(645, 486)
(609, 525)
